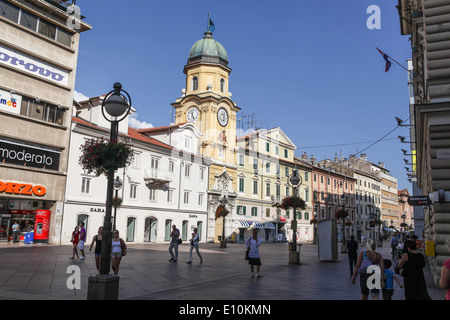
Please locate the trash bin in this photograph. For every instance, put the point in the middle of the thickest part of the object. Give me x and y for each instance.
(29, 237)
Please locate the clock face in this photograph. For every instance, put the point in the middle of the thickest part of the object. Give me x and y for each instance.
(222, 116)
(192, 114)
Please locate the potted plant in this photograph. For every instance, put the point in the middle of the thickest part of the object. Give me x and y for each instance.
(98, 156)
(292, 202)
(117, 202)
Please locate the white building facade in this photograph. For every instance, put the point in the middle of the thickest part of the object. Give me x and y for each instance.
(163, 186)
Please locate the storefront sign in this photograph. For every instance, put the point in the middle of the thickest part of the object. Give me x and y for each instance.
(20, 61)
(97, 210)
(10, 102)
(27, 155)
(22, 188)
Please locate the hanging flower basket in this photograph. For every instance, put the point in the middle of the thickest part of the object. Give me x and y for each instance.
(221, 212)
(313, 221)
(117, 202)
(348, 224)
(403, 225)
(98, 156)
(291, 202)
(341, 214)
(373, 223)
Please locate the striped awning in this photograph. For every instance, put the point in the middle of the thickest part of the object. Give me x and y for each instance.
(269, 225)
(244, 224)
(250, 224)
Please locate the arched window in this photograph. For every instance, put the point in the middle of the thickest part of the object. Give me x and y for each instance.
(194, 85)
(222, 85)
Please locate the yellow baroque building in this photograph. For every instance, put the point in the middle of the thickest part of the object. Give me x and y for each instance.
(206, 103)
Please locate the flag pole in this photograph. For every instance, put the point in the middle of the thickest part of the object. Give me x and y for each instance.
(395, 61)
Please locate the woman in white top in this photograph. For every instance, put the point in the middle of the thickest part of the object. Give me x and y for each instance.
(194, 244)
(118, 250)
(252, 244)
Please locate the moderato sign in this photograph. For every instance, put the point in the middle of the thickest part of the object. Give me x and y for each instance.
(23, 62)
(26, 155)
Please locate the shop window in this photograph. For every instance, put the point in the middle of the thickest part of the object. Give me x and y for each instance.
(28, 20)
(199, 230)
(9, 11)
(167, 229)
(184, 230)
(83, 218)
(131, 222)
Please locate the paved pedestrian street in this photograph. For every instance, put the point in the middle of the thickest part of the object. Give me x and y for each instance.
(30, 272)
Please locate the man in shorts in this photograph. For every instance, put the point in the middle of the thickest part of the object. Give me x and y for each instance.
(82, 240)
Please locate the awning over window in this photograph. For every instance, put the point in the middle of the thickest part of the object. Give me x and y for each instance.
(244, 224)
(269, 225)
(251, 224)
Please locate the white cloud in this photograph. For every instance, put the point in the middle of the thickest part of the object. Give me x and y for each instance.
(79, 96)
(137, 124)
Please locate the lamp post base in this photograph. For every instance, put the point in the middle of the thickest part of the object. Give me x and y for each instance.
(294, 257)
(103, 287)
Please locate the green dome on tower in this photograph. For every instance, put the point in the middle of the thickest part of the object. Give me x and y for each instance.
(208, 50)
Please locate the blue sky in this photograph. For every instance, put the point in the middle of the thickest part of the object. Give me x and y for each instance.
(309, 67)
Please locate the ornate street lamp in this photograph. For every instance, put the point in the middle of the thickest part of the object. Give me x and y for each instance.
(105, 286)
(294, 181)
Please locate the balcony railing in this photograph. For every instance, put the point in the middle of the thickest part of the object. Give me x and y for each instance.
(152, 176)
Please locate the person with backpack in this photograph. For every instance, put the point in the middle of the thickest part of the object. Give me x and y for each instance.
(367, 258)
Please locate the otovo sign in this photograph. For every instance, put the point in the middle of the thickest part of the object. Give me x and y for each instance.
(25, 63)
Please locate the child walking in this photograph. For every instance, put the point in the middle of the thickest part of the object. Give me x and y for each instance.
(389, 275)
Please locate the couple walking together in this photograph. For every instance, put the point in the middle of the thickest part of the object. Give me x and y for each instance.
(176, 240)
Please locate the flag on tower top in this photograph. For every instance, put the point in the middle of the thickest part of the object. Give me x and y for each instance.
(211, 26)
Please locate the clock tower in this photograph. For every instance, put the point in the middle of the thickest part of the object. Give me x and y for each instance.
(206, 103)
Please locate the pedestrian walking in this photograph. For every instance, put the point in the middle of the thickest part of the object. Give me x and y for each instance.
(194, 244)
(16, 230)
(75, 239)
(366, 258)
(352, 251)
(413, 263)
(118, 250)
(82, 240)
(97, 240)
(445, 273)
(394, 244)
(389, 277)
(254, 260)
(174, 237)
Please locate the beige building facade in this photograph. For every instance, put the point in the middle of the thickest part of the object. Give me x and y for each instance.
(38, 59)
